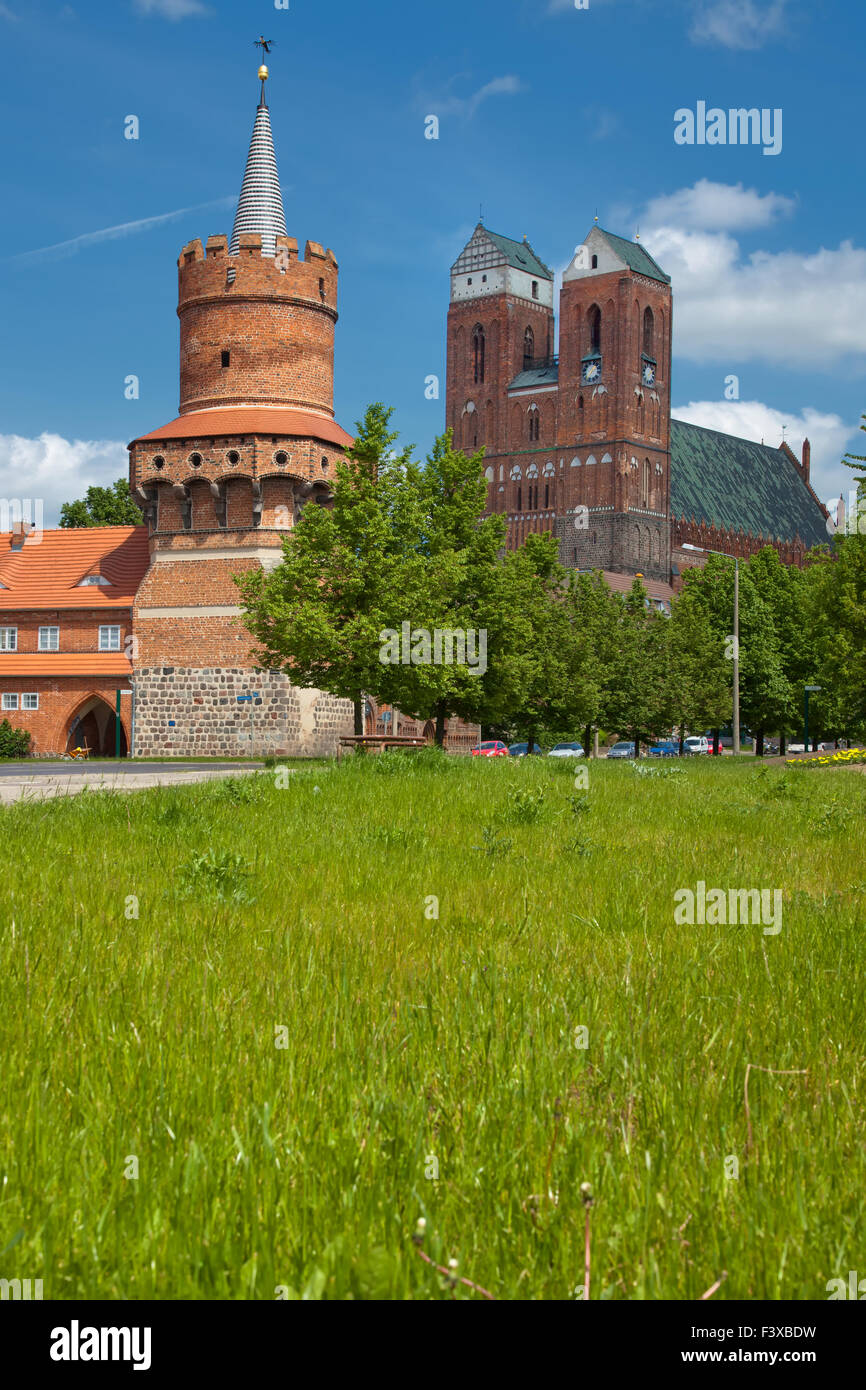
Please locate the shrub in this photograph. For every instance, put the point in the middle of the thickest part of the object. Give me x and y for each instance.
(14, 743)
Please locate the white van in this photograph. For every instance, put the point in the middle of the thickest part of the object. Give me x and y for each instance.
(697, 744)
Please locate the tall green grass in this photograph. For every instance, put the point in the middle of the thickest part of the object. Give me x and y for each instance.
(417, 1043)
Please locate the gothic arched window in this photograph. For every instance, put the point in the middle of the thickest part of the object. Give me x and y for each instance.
(646, 483)
(595, 329)
(478, 351)
(528, 348)
(648, 330)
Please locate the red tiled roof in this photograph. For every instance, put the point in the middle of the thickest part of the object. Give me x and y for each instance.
(621, 584)
(46, 572)
(64, 664)
(250, 419)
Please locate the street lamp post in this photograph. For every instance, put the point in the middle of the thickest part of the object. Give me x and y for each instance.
(807, 691)
(736, 559)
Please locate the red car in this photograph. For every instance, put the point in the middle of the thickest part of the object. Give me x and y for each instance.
(490, 750)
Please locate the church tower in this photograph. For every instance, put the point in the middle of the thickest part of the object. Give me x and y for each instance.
(500, 324)
(255, 441)
(614, 408)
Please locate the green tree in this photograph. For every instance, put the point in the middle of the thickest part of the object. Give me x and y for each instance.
(319, 614)
(836, 611)
(639, 694)
(596, 613)
(766, 694)
(450, 582)
(548, 658)
(698, 674)
(102, 506)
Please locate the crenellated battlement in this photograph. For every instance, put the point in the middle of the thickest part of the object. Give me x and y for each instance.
(206, 273)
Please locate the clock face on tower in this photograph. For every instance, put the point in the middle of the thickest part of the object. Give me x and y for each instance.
(591, 372)
(648, 374)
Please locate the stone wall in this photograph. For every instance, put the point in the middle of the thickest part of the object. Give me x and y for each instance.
(208, 721)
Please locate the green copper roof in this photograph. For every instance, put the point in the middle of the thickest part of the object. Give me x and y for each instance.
(636, 256)
(521, 255)
(738, 484)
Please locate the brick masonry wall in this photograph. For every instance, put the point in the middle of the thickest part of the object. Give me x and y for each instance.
(276, 324)
(208, 721)
(79, 628)
(60, 699)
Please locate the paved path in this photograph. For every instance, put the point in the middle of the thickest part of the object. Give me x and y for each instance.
(36, 781)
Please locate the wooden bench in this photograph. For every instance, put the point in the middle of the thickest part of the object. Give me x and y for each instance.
(380, 741)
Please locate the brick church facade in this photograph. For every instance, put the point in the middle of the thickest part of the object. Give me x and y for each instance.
(580, 442)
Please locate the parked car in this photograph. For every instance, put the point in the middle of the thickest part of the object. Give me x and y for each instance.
(696, 744)
(665, 749)
(566, 750)
(494, 749)
(621, 750)
(520, 750)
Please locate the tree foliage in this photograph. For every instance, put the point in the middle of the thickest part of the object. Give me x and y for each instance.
(102, 506)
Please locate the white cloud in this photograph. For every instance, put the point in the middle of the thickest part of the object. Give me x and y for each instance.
(451, 105)
(172, 9)
(775, 307)
(6, 13)
(57, 470)
(719, 207)
(122, 229)
(740, 24)
(828, 434)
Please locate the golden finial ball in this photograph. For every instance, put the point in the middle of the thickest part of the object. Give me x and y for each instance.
(263, 73)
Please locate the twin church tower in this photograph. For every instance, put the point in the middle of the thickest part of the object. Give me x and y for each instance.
(578, 443)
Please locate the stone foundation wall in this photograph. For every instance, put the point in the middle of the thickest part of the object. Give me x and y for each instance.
(183, 711)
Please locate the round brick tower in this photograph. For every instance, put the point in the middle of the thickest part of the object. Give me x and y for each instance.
(255, 441)
(257, 329)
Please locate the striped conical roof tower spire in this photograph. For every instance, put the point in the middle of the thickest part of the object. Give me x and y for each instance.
(260, 206)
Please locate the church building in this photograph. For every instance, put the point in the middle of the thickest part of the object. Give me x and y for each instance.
(580, 441)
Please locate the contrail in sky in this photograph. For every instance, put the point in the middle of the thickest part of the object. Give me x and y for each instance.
(143, 224)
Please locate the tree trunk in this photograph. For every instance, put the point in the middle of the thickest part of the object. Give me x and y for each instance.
(441, 715)
(715, 742)
(682, 740)
(358, 706)
(587, 737)
(759, 743)
(782, 741)
(530, 742)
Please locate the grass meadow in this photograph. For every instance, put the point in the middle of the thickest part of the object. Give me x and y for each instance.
(242, 993)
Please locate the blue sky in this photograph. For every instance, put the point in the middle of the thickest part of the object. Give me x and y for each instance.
(547, 114)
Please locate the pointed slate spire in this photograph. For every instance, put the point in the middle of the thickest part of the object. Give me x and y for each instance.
(260, 206)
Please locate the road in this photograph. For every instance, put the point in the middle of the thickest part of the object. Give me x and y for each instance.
(36, 781)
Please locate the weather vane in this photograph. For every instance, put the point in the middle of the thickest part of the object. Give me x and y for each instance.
(265, 45)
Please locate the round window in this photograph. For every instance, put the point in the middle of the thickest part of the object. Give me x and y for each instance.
(159, 461)
(233, 457)
(195, 460)
(281, 458)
